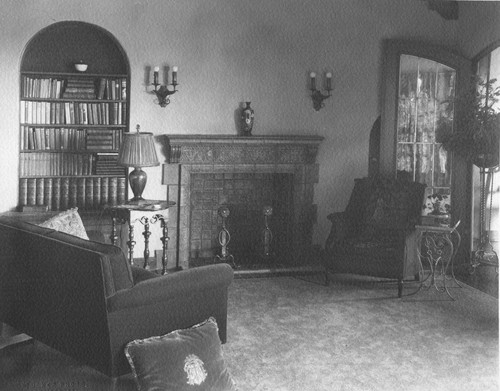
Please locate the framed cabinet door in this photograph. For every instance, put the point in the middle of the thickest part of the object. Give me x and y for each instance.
(420, 84)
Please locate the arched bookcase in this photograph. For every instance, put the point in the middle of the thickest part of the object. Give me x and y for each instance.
(72, 122)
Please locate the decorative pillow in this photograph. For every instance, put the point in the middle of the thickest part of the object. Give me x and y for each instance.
(188, 359)
(68, 221)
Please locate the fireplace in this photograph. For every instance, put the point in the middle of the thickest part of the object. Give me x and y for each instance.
(244, 175)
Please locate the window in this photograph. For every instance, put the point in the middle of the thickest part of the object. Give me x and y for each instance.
(425, 102)
(485, 226)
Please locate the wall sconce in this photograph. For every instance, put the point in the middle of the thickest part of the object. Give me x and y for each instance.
(316, 95)
(161, 91)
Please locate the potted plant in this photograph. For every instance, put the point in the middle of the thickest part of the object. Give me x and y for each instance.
(477, 133)
(437, 207)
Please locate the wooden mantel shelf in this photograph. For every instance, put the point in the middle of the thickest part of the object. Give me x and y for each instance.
(224, 139)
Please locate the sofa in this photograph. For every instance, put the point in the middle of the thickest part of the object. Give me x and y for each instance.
(82, 297)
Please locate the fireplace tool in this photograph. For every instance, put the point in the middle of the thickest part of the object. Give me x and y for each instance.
(224, 239)
(267, 234)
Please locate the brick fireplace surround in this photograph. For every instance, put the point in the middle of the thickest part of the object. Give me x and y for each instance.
(201, 168)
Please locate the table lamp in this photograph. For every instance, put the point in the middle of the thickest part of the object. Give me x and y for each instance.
(138, 150)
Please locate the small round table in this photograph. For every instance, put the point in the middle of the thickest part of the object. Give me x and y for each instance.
(122, 214)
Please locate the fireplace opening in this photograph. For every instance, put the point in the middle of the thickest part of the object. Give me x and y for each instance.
(246, 196)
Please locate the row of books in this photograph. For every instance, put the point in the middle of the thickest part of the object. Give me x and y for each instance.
(74, 88)
(42, 138)
(107, 164)
(64, 193)
(36, 164)
(73, 113)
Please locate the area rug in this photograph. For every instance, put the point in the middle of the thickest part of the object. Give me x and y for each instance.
(292, 334)
(295, 334)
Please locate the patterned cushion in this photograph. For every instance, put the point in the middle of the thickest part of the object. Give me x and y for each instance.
(69, 222)
(189, 359)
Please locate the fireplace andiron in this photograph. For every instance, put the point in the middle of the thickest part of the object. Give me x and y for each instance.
(224, 239)
(267, 234)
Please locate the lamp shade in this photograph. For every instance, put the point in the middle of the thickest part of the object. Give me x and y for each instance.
(138, 150)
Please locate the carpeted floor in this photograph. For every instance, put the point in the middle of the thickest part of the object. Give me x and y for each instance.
(290, 334)
(296, 334)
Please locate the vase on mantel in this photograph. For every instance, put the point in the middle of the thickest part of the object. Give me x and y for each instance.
(247, 119)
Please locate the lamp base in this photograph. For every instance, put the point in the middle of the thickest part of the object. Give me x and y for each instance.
(137, 179)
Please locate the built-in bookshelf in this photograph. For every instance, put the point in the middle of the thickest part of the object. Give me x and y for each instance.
(72, 123)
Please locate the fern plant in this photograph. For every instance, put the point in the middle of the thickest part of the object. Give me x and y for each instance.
(477, 134)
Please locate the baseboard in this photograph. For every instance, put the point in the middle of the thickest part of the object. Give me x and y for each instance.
(276, 272)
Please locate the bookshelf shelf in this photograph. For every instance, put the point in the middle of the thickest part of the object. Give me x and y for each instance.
(71, 123)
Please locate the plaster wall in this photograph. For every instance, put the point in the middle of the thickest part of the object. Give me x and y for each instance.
(479, 26)
(233, 51)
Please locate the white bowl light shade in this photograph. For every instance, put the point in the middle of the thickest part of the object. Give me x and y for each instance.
(81, 67)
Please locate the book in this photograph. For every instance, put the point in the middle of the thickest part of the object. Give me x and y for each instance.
(104, 191)
(81, 193)
(73, 193)
(89, 193)
(97, 192)
(113, 190)
(39, 191)
(120, 196)
(64, 193)
(47, 192)
(56, 193)
(31, 191)
(23, 191)
(102, 88)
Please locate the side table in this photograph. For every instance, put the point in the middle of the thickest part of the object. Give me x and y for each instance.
(126, 213)
(437, 245)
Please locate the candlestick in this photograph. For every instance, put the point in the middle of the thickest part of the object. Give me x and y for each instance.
(328, 81)
(313, 81)
(174, 75)
(155, 75)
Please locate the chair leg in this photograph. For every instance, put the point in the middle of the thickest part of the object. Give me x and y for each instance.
(400, 288)
(114, 384)
(327, 278)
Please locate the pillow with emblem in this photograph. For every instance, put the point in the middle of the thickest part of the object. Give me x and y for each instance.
(187, 359)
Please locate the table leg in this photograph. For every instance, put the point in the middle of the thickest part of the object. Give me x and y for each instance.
(439, 255)
(130, 243)
(113, 237)
(457, 246)
(164, 239)
(146, 234)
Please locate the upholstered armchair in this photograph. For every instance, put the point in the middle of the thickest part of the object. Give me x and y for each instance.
(369, 237)
(84, 299)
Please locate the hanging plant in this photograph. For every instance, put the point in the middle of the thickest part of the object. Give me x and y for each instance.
(477, 134)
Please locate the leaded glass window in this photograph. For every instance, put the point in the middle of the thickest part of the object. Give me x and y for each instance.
(425, 106)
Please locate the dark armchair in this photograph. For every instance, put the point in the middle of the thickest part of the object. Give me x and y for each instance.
(370, 236)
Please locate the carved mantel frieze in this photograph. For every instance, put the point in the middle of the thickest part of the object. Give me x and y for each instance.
(205, 149)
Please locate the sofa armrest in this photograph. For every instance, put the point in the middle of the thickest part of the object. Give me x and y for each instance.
(170, 286)
(139, 274)
(338, 230)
